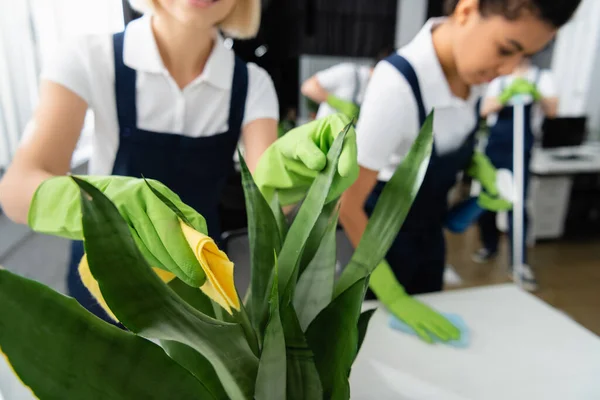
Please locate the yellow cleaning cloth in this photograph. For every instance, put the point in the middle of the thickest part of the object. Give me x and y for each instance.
(219, 285)
(217, 267)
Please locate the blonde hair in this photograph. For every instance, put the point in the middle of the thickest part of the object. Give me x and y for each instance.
(242, 23)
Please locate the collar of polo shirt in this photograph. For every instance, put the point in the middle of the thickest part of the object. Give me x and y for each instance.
(140, 52)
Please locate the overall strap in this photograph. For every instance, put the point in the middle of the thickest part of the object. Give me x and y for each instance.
(239, 93)
(356, 84)
(125, 79)
(473, 134)
(404, 67)
(538, 74)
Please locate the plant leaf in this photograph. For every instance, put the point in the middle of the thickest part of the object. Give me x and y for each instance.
(314, 289)
(271, 379)
(391, 210)
(242, 318)
(333, 337)
(193, 296)
(169, 204)
(197, 365)
(316, 235)
(309, 212)
(280, 217)
(363, 324)
(264, 239)
(146, 306)
(61, 351)
(303, 381)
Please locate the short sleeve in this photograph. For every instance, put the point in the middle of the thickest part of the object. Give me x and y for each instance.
(70, 67)
(388, 122)
(261, 101)
(334, 77)
(546, 85)
(494, 88)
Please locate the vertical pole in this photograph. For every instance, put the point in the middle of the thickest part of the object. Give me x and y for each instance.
(519, 172)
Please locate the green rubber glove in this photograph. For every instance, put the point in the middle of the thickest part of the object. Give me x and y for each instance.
(347, 108)
(55, 209)
(519, 86)
(482, 169)
(493, 203)
(290, 165)
(426, 322)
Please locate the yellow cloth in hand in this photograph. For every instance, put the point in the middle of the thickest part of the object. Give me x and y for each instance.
(219, 285)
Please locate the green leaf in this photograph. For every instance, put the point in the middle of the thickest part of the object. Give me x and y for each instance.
(193, 296)
(316, 235)
(197, 365)
(363, 324)
(169, 204)
(242, 318)
(303, 382)
(146, 306)
(333, 337)
(280, 217)
(264, 239)
(391, 210)
(309, 212)
(314, 290)
(270, 383)
(61, 351)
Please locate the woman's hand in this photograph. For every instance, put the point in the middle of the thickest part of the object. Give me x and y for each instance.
(56, 210)
(290, 165)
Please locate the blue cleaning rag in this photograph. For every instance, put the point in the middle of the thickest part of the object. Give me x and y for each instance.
(455, 319)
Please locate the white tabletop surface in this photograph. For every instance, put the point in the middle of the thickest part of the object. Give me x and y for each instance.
(521, 348)
(556, 161)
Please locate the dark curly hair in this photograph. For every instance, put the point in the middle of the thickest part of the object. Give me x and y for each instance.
(555, 12)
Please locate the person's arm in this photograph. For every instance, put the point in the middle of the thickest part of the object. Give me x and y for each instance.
(324, 86)
(353, 217)
(46, 150)
(260, 117)
(257, 136)
(312, 89)
(491, 104)
(388, 112)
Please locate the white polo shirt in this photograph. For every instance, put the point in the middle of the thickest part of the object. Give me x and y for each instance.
(86, 66)
(343, 81)
(545, 85)
(389, 117)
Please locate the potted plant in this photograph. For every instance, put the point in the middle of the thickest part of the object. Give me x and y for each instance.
(295, 335)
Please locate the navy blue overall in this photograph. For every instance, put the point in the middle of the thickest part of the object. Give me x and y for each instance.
(499, 149)
(418, 254)
(195, 168)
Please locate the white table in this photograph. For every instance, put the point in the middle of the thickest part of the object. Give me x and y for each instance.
(521, 348)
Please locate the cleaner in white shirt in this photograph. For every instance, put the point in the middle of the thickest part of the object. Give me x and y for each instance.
(443, 68)
(538, 93)
(340, 88)
(170, 103)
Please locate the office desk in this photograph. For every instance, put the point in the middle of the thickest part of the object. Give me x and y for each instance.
(521, 349)
(552, 175)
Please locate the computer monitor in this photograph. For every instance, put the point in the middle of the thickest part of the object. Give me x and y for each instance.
(563, 132)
